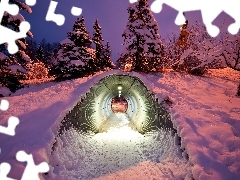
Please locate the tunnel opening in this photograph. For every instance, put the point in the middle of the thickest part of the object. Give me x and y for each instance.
(116, 95)
(85, 148)
(119, 104)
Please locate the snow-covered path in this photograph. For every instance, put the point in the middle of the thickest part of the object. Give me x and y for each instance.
(205, 111)
(119, 153)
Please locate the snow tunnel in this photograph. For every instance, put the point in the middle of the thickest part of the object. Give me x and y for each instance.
(94, 109)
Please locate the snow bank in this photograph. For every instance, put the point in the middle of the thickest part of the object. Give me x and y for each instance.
(205, 112)
(120, 150)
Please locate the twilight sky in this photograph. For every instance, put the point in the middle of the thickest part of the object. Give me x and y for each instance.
(112, 15)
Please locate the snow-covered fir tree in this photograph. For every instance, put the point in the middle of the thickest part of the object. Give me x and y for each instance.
(107, 61)
(97, 40)
(31, 49)
(79, 35)
(144, 48)
(48, 50)
(103, 54)
(13, 66)
(10, 72)
(75, 57)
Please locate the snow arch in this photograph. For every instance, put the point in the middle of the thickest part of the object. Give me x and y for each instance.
(93, 110)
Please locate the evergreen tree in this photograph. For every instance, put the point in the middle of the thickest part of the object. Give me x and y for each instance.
(144, 47)
(31, 49)
(97, 39)
(79, 35)
(39, 54)
(14, 66)
(107, 57)
(74, 56)
(10, 72)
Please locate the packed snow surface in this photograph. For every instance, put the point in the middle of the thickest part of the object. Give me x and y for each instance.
(205, 112)
(119, 153)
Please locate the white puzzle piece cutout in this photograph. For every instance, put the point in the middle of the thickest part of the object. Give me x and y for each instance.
(76, 11)
(4, 105)
(7, 35)
(31, 171)
(59, 19)
(10, 129)
(31, 2)
(4, 170)
(210, 11)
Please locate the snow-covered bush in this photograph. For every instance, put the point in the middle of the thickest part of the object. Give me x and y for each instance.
(102, 54)
(144, 48)
(231, 51)
(172, 51)
(192, 65)
(37, 70)
(199, 52)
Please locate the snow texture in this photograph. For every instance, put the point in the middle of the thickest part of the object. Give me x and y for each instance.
(16, 68)
(205, 112)
(31, 171)
(120, 150)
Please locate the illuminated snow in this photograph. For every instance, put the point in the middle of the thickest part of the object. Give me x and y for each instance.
(81, 156)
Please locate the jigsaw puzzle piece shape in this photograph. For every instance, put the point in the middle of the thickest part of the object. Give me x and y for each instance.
(4, 105)
(76, 11)
(156, 6)
(31, 169)
(9, 36)
(59, 19)
(12, 9)
(181, 6)
(210, 11)
(233, 10)
(12, 124)
(4, 170)
(30, 2)
(132, 1)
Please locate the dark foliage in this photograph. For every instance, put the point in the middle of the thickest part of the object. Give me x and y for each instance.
(238, 90)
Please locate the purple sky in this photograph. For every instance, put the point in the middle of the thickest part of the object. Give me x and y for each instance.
(112, 15)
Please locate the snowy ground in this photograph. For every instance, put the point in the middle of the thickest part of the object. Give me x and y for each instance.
(205, 112)
(118, 153)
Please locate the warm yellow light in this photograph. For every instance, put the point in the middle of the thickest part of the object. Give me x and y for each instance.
(119, 88)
